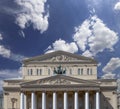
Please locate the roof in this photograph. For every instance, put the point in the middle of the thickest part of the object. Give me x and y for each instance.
(60, 56)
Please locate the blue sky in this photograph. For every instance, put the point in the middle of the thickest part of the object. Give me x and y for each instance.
(85, 27)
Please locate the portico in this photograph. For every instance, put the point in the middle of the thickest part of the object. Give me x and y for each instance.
(60, 92)
(61, 100)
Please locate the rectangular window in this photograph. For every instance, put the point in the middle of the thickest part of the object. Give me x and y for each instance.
(30, 71)
(89, 71)
(39, 71)
(70, 71)
(80, 71)
(48, 71)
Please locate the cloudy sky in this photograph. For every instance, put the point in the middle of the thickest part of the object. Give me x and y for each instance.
(85, 27)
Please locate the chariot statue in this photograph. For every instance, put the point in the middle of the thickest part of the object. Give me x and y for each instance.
(59, 70)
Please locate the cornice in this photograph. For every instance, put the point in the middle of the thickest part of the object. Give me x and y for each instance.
(13, 89)
(58, 63)
(106, 88)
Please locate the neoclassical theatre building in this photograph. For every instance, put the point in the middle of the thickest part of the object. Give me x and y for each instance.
(59, 80)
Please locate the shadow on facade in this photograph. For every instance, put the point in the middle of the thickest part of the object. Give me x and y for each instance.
(105, 102)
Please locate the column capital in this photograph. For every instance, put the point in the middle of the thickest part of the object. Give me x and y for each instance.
(44, 91)
(54, 91)
(76, 91)
(22, 91)
(87, 91)
(65, 90)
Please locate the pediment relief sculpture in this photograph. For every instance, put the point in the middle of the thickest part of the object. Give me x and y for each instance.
(62, 58)
(58, 81)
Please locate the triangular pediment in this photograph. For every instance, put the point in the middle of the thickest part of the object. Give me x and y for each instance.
(60, 56)
(61, 80)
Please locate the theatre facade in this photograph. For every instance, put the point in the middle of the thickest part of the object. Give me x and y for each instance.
(60, 80)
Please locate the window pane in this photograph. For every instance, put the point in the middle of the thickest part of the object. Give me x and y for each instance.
(78, 71)
(48, 71)
(70, 71)
(88, 71)
(91, 71)
(82, 71)
(31, 71)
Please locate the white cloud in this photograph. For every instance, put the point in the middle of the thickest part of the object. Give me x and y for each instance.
(108, 76)
(7, 53)
(93, 36)
(16, 57)
(87, 53)
(117, 6)
(1, 84)
(62, 45)
(22, 34)
(1, 38)
(33, 12)
(4, 52)
(112, 65)
(110, 68)
(7, 74)
(81, 34)
(102, 37)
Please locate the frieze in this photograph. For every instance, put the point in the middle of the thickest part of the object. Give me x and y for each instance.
(62, 89)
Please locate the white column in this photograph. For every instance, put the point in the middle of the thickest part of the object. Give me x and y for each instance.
(33, 101)
(54, 100)
(76, 100)
(65, 100)
(97, 100)
(43, 100)
(25, 101)
(86, 100)
(22, 100)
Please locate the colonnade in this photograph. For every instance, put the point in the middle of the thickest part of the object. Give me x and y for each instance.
(23, 103)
